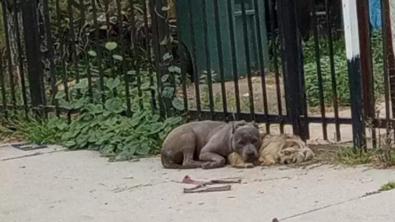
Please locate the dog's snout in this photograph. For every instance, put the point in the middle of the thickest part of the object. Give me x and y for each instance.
(251, 153)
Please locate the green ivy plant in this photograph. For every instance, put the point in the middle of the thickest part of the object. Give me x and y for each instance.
(104, 126)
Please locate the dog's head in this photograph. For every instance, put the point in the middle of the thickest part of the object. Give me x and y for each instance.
(246, 140)
(295, 151)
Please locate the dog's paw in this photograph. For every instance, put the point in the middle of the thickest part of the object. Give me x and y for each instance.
(207, 165)
(249, 165)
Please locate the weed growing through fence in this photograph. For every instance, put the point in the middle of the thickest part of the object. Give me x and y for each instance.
(345, 155)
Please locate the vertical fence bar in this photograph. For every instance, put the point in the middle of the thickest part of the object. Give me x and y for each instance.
(156, 5)
(136, 62)
(392, 20)
(73, 41)
(389, 52)
(122, 42)
(261, 62)
(248, 59)
(292, 57)
(20, 56)
(208, 59)
(386, 70)
(220, 59)
(332, 67)
(2, 84)
(99, 51)
(350, 20)
(82, 20)
(81, 27)
(193, 43)
(33, 56)
(8, 50)
(275, 61)
(61, 51)
(149, 55)
(234, 56)
(48, 33)
(366, 64)
(183, 66)
(319, 72)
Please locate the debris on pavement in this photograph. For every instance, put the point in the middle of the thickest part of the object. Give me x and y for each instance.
(202, 186)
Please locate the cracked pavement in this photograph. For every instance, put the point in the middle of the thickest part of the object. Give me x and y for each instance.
(55, 185)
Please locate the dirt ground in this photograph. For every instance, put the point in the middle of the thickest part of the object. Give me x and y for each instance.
(56, 185)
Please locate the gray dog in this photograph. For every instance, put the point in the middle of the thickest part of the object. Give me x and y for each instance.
(207, 144)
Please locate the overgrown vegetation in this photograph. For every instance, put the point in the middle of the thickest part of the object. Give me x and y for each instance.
(340, 68)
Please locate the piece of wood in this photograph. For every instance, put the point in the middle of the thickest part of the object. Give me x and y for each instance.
(198, 189)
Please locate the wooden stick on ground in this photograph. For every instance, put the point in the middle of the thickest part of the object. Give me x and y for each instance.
(198, 189)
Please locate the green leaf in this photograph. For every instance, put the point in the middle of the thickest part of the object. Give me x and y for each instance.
(92, 53)
(79, 103)
(69, 144)
(111, 46)
(82, 140)
(64, 103)
(113, 83)
(156, 127)
(131, 72)
(117, 57)
(62, 126)
(92, 138)
(60, 95)
(165, 77)
(114, 105)
(168, 92)
(108, 151)
(167, 56)
(172, 121)
(175, 69)
(178, 103)
(66, 136)
(83, 84)
(99, 141)
(145, 86)
(144, 149)
(92, 108)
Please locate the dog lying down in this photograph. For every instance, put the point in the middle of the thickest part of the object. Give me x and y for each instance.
(276, 149)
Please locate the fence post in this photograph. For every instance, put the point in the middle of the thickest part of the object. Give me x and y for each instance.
(162, 55)
(33, 55)
(292, 62)
(388, 15)
(366, 64)
(350, 21)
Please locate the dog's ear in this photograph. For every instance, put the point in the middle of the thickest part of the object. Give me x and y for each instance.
(237, 124)
(254, 125)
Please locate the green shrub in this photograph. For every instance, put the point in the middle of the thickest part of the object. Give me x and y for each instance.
(341, 70)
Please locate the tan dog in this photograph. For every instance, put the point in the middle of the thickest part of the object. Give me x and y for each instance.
(276, 149)
(283, 149)
(207, 144)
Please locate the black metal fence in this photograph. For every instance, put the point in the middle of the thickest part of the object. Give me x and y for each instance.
(222, 60)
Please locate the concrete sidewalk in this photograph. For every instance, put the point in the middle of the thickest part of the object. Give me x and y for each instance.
(56, 185)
